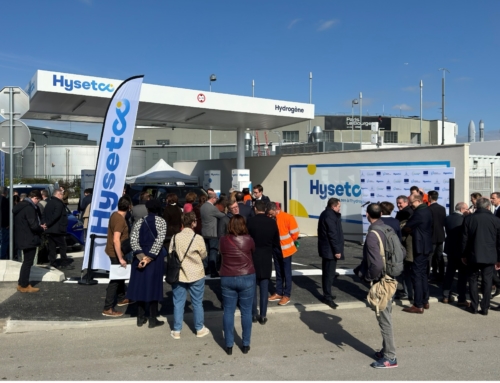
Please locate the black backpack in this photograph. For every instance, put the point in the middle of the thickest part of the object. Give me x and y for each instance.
(174, 264)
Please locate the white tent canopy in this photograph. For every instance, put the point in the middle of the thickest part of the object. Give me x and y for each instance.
(162, 172)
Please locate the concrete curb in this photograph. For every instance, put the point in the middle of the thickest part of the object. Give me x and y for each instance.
(9, 272)
(22, 326)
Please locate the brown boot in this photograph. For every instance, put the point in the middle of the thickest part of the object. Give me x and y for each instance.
(28, 289)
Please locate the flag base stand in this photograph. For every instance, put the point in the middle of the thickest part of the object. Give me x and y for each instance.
(88, 280)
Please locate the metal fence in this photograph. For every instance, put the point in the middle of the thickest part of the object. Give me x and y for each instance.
(480, 181)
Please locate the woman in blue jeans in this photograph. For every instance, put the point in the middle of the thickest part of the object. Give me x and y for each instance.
(191, 250)
(237, 275)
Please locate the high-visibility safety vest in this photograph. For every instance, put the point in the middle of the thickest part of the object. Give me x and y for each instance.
(289, 233)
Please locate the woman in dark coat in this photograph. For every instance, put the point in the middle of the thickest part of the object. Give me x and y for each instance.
(265, 234)
(146, 279)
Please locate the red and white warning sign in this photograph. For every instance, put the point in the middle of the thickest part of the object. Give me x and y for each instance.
(201, 97)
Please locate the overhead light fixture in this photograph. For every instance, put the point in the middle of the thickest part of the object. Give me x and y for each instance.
(79, 105)
(195, 116)
(56, 117)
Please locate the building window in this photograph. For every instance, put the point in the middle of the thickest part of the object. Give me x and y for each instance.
(415, 138)
(140, 142)
(391, 137)
(162, 142)
(291, 136)
(155, 156)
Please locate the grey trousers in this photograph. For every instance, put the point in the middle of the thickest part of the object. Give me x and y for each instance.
(385, 323)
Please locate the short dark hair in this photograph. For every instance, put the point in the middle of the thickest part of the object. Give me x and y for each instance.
(386, 207)
(497, 194)
(476, 195)
(259, 188)
(35, 193)
(44, 193)
(88, 191)
(374, 210)
(246, 191)
(239, 197)
(172, 198)
(124, 203)
(237, 225)
(188, 218)
(414, 188)
(433, 195)
(483, 203)
(260, 206)
(403, 197)
(332, 202)
(145, 196)
(210, 189)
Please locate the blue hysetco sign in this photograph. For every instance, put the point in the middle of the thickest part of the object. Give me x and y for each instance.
(70, 84)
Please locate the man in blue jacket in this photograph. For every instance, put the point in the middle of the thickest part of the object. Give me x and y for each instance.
(420, 227)
(330, 247)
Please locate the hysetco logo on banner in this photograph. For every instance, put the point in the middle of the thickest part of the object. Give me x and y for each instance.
(312, 185)
(112, 163)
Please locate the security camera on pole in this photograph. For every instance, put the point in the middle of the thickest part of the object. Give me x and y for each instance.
(14, 138)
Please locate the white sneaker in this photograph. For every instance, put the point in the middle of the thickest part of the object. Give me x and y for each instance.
(201, 333)
(175, 334)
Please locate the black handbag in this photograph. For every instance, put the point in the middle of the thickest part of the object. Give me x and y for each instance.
(174, 264)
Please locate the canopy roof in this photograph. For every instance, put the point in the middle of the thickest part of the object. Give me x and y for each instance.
(72, 97)
(161, 172)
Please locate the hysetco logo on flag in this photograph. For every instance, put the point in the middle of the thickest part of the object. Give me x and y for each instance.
(112, 163)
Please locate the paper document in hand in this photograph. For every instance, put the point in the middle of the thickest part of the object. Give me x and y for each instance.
(119, 272)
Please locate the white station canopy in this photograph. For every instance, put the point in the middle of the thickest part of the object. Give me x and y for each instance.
(72, 97)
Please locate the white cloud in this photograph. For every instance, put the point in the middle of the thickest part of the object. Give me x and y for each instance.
(402, 107)
(292, 23)
(327, 24)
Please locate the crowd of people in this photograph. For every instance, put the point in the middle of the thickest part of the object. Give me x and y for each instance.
(470, 238)
(238, 239)
(231, 237)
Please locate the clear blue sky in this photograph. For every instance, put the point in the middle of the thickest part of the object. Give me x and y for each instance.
(382, 48)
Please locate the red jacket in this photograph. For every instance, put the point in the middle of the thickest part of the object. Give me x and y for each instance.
(236, 253)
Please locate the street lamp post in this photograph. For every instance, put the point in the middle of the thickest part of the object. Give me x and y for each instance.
(360, 119)
(421, 88)
(211, 78)
(353, 102)
(442, 111)
(310, 95)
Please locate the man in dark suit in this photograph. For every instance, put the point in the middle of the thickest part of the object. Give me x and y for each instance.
(405, 211)
(453, 250)
(56, 220)
(481, 252)
(436, 259)
(246, 211)
(495, 201)
(330, 247)
(420, 227)
(258, 194)
(265, 234)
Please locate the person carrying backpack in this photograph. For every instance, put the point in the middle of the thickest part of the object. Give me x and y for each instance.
(383, 257)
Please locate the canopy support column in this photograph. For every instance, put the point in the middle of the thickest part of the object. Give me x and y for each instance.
(240, 148)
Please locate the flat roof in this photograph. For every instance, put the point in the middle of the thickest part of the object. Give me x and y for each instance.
(72, 97)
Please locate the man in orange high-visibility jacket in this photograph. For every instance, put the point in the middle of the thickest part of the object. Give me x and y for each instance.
(289, 233)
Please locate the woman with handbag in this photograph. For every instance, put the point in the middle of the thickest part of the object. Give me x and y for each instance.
(146, 278)
(191, 250)
(237, 275)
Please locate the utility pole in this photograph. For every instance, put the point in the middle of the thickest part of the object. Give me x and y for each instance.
(421, 87)
(442, 109)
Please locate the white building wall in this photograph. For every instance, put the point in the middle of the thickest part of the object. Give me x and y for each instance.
(273, 171)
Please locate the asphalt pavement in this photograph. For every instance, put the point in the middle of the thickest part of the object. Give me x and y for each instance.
(74, 302)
